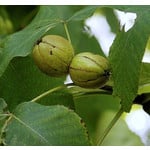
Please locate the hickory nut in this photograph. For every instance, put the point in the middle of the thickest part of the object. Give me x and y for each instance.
(89, 70)
(53, 55)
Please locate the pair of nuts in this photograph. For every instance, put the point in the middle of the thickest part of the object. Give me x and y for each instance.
(54, 55)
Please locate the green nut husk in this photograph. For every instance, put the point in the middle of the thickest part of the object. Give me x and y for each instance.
(53, 55)
(89, 70)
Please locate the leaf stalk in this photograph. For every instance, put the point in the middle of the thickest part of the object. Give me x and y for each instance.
(47, 93)
(67, 32)
(111, 124)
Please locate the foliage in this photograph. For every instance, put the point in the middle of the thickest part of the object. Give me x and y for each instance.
(70, 115)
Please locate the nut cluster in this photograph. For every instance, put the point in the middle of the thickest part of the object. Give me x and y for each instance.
(54, 55)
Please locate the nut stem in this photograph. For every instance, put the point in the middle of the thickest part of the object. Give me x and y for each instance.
(67, 32)
(111, 124)
(47, 93)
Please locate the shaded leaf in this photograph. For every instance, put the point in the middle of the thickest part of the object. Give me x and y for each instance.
(21, 43)
(22, 15)
(6, 26)
(48, 125)
(91, 107)
(126, 55)
(23, 81)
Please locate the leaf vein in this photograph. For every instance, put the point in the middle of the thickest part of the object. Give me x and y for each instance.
(33, 130)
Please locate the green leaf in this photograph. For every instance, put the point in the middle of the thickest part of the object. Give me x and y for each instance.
(45, 125)
(148, 44)
(145, 74)
(144, 81)
(83, 14)
(64, 12)
(144, 89)
(133, 8)
(22, 42)
(125, 57)
(3, 117)
(23, 81)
